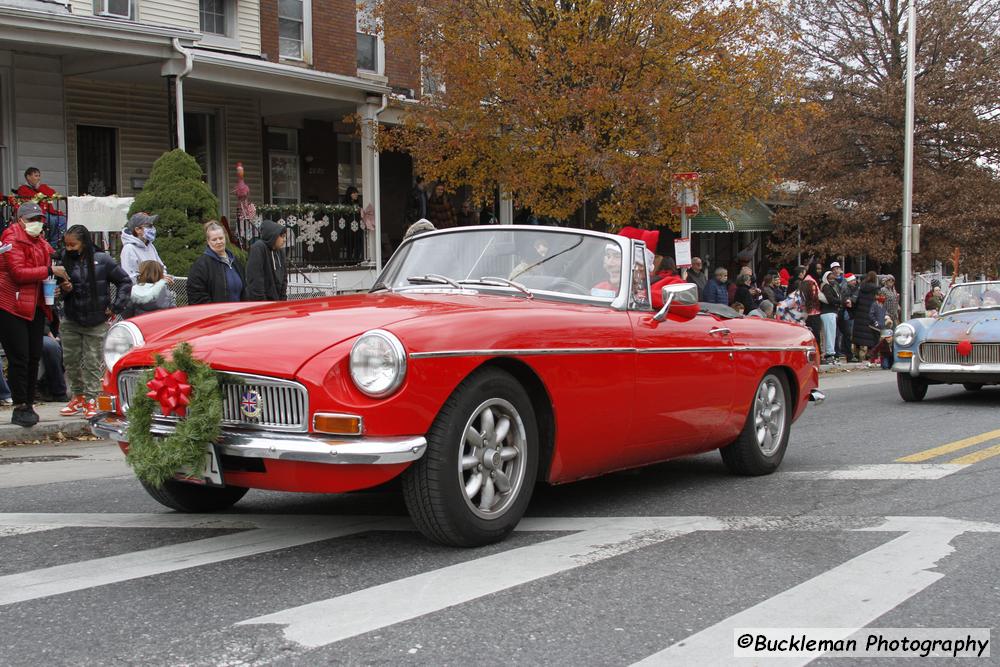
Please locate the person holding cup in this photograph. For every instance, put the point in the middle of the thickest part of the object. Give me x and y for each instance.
(23, 310)
(87, 307)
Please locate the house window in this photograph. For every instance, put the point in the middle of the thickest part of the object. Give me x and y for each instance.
(367, 37)
(283, 162)
(431, 83)
(348, 164)
(294, 29)
(212, 14)
(96, 160)
(124, 9)
(202, 143)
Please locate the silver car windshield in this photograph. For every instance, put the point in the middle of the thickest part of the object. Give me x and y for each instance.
(542, 262)
(972, 296)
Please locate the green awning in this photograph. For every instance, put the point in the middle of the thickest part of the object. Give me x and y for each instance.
(754, 216)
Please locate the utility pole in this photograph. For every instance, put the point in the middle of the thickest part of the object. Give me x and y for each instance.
(906, 279)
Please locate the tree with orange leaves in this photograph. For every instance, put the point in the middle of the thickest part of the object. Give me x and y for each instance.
(573, 101)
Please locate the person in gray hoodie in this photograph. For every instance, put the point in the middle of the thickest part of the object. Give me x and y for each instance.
(137, 244)
(267, 277)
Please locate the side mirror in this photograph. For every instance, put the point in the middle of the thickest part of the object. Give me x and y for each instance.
(679, 296)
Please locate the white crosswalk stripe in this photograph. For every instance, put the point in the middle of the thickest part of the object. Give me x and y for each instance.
(855, 592)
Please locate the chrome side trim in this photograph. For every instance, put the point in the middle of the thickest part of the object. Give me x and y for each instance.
(522, 352)
(513, 352)
(287, 446)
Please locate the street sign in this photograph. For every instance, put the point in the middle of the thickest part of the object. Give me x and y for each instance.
(682, 253)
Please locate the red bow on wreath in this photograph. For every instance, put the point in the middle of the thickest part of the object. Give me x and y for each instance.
(170, 390)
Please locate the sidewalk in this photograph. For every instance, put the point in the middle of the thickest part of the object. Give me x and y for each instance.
(847, 368)
(50, 422)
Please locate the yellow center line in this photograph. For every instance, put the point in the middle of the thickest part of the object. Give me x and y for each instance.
(949, 448)
(976, 457)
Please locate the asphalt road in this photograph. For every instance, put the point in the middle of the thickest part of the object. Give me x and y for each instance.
(657, 566)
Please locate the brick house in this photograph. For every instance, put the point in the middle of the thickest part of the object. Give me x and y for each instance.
(93, 91)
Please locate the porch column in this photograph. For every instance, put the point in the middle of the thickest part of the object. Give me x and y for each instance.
(175, 70)
(506, 208)
(371, 191)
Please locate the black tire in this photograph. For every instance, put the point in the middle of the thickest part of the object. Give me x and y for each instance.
(435, 487)
(761, 445)
(972, 386)
(911, 389)
(194, 498)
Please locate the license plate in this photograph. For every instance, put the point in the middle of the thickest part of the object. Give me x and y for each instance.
(211, 475)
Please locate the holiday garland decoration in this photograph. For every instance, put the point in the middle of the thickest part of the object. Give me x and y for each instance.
(191, 389)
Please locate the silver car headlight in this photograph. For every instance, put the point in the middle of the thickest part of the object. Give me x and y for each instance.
(119, 340)
(378, 363)
(904, 335)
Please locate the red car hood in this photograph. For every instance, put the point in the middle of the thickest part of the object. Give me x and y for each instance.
(278, 338)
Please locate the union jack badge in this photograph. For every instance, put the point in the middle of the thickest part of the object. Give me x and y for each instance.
(250, 404)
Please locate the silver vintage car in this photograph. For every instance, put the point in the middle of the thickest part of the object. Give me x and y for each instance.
(961, 345)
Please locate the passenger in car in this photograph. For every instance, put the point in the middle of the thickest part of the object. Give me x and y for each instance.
(612, 263)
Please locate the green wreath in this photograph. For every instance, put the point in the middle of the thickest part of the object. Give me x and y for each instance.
(156, 460)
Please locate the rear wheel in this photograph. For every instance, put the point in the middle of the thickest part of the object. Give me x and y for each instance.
(473, 484)
(911, 389)
(760, 446)
(185, 497)
(972, 386)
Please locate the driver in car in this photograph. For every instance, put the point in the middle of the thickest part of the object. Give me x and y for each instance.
(613, 266)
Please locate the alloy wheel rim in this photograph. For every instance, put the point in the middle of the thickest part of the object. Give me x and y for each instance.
(769, 415)
(491, 459)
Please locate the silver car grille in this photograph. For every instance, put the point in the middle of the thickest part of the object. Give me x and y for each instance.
(945, 353)
(284, 405)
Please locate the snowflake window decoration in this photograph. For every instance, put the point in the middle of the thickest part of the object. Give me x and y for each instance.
(334, 236)
(310, 227)
(354, 225)
(342, 223)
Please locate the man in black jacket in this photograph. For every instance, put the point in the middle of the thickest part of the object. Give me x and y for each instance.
(267, 278)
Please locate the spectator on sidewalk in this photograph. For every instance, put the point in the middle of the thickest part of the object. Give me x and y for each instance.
(5, 398)
(717, 290)
(439, 209)
(137, 245)
(267, 276)
(23, 311)
(88, 308)
(863, 334)
(151, 293)
(696, 275)
(763, 310)
(34, 190)
(830, 307)
(217, 276)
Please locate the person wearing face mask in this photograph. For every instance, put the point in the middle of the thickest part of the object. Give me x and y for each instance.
(137, 244)
(22, 306)
(88, 307)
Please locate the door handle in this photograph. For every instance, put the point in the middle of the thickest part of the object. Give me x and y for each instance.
(719, 330)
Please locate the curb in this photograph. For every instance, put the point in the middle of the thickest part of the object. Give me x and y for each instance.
(43, 430)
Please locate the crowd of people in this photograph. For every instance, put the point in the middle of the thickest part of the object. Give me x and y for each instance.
(65, 335)
(852, 318)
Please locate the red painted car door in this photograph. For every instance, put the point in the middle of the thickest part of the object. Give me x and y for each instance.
(683, 390)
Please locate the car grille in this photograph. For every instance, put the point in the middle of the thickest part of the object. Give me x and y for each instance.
(284, 405)
(945, 353)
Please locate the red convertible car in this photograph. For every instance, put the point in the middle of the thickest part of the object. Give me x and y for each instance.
(483, 360)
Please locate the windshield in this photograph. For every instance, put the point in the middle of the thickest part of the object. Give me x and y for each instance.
(546, 262)
(972, 295)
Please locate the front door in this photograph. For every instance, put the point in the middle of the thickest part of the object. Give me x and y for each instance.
(683, 389)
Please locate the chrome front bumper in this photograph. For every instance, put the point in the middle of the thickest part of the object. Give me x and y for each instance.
(312, 448)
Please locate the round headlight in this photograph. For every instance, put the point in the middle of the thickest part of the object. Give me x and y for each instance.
(378, 363)
(904, 335)
(119, 340)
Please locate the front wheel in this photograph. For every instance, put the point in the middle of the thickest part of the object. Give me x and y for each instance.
(473, 484)
(186, 497)
(911, 389)
(760, 446)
